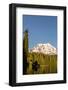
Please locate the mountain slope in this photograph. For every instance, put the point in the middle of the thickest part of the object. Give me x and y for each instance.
(44, 48)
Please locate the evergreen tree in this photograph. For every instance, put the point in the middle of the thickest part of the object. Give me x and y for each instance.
(25, 41)
(25, 51)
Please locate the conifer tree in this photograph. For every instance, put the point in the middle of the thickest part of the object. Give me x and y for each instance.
(25, 51)
(25, 41)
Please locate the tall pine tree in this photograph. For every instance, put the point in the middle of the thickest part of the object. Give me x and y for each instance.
(25, 41)
(25, 51)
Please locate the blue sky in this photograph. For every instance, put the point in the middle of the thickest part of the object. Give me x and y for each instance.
(41, 29)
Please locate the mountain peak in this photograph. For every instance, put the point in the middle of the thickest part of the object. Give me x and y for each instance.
(47, 44)
(44, 48)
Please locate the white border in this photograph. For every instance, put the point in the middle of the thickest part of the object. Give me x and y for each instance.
(19, 35)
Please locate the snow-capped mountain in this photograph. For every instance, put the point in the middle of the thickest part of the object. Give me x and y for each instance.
(44, 48)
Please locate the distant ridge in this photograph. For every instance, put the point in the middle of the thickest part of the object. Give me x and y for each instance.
(44, 48)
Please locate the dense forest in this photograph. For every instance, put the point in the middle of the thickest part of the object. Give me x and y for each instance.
(40, 63)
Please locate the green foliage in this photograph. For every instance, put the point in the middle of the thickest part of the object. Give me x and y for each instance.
(47, 63)
(25, 41)
(25, 52)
